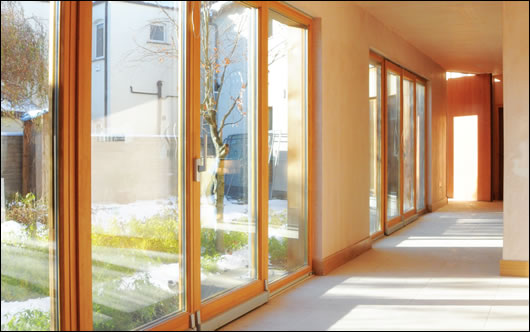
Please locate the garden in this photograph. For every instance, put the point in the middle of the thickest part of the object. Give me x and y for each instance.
(136, 250)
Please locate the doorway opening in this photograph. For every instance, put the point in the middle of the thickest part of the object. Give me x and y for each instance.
(465, 157)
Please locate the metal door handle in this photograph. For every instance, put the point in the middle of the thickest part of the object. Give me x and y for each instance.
(198, 165)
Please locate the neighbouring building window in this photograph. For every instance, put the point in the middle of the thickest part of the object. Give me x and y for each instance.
(100, 40)
(157, 33)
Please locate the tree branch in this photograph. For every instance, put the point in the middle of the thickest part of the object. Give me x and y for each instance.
(221, 84)
(221, 127)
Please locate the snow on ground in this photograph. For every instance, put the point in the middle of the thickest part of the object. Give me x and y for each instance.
(102, 214)
(232, 212)
(11, 308)
(12, 230)
(162, 275)
(237, 260)
(278, 205)
(235, 215)
(15, 232)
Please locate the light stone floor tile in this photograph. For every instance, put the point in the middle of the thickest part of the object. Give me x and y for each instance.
(439, 273)
(508, 317)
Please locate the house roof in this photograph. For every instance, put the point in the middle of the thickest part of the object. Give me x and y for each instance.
(30, 115)
(24, 112)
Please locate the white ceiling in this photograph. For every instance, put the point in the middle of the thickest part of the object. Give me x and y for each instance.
(463, 36)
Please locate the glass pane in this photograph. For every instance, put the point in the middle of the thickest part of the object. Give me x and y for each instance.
(287, 147)
(393, 144)
(28, 248)
(375, 146)
(137, 158)
(409, 157)
(420, 146)
(228, 146)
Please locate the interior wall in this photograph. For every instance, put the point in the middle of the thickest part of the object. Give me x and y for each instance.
(466, 96)
(516, 108)
(345, 34)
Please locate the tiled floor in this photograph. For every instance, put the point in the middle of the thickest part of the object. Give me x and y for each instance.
(439, 273)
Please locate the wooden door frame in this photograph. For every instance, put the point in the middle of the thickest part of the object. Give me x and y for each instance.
(74, 157)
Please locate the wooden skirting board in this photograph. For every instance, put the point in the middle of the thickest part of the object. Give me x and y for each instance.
(328, 264)
(436, 205)
(514, 268)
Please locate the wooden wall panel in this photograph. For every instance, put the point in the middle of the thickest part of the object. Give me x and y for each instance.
(466, 96)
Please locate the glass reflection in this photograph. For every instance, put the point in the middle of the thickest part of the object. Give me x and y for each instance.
(137, 158)
(228, 146)
(393, 156)
(28, 248)
(409, 157)
(420, 146)
(375, 146)
(287, 146)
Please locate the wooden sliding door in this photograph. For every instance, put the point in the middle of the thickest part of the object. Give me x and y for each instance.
(138, 215)
(197, 180)
(156, 162)
(227, 169)
(394, 153)
(421, 146)
(376, 99)
(404, 145)
(409, 146)
(287, 135)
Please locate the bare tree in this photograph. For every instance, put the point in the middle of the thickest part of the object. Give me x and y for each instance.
(25, 87)
(222, 103)
(216, 63)
(24, 75)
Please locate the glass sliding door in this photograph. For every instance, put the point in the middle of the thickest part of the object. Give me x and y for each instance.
(228, 69)
(28, 246)
(137, 156)
(393, 142)
(409, 145)
(142, 127)
(420, 146)
(405, 145)
(375, 100)
(287, 153)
